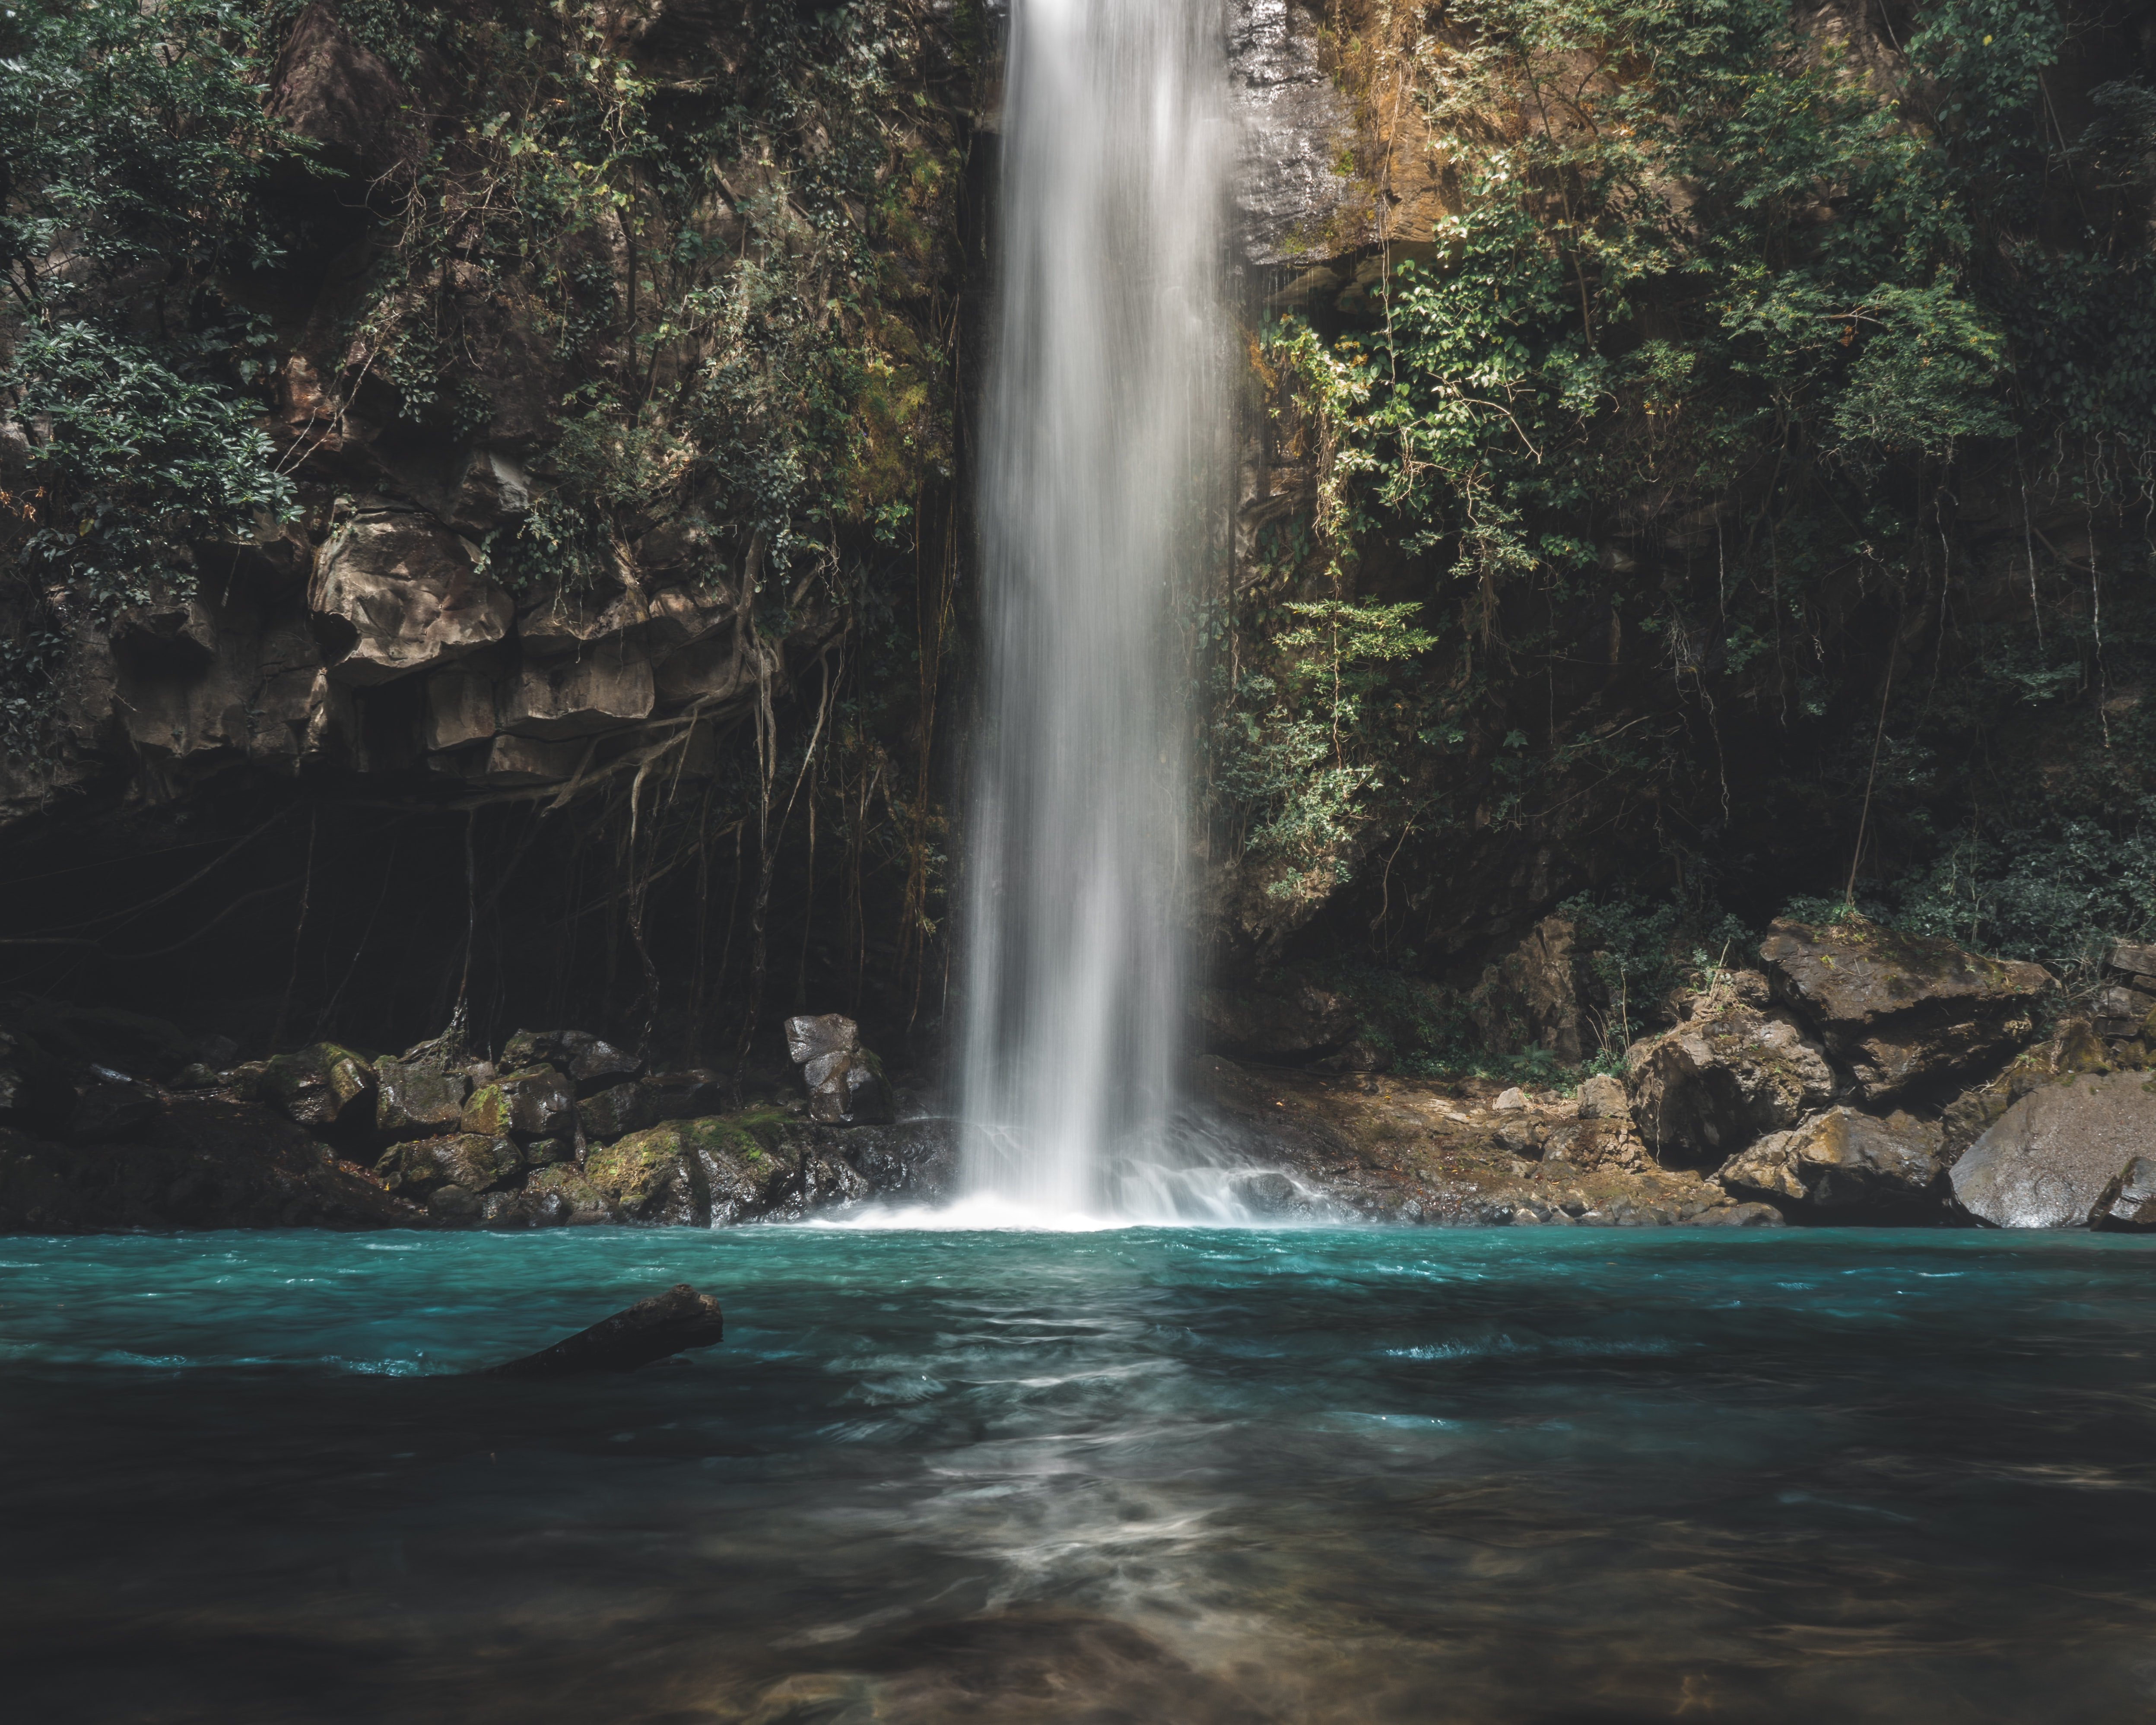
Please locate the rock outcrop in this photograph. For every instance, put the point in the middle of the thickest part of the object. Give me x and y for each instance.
(1907, 1015)
(2053, 1155)
(1739, 1068)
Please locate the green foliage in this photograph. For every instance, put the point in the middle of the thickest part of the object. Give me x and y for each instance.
(2058, 892)
(714, 271)
(1739, 346)
(132, 151)
(1297, 753)
(132, 140)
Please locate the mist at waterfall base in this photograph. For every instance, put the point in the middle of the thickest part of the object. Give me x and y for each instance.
(1178, 1475)
(1102, 449)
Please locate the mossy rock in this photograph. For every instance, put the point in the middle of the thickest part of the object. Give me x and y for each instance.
(573, 1199)
(650, 1176)
(487, 1110)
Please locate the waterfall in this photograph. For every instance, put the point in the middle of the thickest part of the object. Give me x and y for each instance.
(1103, 453)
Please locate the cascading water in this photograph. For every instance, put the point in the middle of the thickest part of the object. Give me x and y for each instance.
(1103, 441)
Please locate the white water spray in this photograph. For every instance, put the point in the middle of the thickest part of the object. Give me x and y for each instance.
(1103, 452)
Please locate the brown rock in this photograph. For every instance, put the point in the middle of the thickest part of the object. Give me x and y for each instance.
(1842, 1160)
(578, 697)
(1903, 1011)
(395, 593)
(1705, 1088)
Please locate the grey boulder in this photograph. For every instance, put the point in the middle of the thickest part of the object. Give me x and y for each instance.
(2053, 1155)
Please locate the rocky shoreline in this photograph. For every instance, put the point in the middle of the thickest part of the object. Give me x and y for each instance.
(1857, 1076)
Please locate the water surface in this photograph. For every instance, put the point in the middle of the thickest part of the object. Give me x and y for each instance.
(1141, 1474)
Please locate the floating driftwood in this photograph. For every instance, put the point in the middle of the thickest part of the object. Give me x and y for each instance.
(665, 1324)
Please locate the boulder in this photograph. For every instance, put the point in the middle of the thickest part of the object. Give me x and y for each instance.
(2051, 1156)
(845, 1081)
(206, 1161)
(1842, 1160)
(1905, 1013)
(651, 1176)
(536, 1102)
(1602, 1097)
(421, 1094)
(321, 1086)
(2128, 1203)
(1711, 1085)
(1740, 1215)
(653, 1329)
(466, 1160)
(608, 1114)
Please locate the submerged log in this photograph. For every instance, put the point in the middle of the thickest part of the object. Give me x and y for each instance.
(667, 1323)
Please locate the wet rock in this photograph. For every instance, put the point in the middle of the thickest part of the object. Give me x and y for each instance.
(1731, 1073)
(916, 1161)
(466, 1160)
(1903, 1012)
(1843, 1160)
(2052, 1156)
(2128, 1203)
(321, 1086)
(652, 1176)
(666, 1324)
(421, 1094)
(1286, 1024)
(610, 1113)
(554, 1197)
(536, 1102)
(1271, 1193)
(1290, 116)
(845, 1081)
(594, 1065)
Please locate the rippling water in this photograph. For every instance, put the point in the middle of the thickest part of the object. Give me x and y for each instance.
(1133, 1475)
